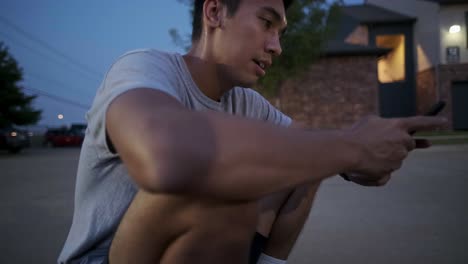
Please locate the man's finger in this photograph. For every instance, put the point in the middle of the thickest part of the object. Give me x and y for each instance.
(371, 183)
(422, 143)
(423, 123)
(384, 180)
(410, 143)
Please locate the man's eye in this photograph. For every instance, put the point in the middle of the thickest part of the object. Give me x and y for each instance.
(267, 23)
(282, 34)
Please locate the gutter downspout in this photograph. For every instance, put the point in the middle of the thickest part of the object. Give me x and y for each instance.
(437, 82)
(439, 61)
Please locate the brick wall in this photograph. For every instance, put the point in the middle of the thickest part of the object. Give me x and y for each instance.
(334, 93)
(426, 90)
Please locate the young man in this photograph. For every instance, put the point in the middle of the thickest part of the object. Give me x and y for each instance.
(182, 165)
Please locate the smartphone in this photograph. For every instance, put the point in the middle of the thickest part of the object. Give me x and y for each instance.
(435, 109)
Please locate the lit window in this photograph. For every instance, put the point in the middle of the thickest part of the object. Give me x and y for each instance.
(391, 67)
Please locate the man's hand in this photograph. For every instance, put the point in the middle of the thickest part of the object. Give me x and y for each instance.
(383, 144)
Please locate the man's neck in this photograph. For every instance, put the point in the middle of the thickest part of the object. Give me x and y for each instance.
(207, 75)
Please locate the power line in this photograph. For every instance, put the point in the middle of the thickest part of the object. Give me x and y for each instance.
(59, 98)
(54, 82)
(38, 52)
(49, 47)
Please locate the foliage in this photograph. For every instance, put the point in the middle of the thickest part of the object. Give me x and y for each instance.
(15, 106)
(310, 23)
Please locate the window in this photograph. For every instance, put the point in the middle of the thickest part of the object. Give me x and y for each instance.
(360, 36)
(391, 68)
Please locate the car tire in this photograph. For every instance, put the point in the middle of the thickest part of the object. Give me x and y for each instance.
(14, 150)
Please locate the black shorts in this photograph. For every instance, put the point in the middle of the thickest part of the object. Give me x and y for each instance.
(257, 247)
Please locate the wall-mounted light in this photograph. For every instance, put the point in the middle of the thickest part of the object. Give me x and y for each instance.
(454, 29)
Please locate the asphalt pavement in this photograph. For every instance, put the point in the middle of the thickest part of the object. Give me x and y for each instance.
(421, 216)
(36, 204)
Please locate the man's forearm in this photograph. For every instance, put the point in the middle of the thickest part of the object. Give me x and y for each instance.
(290, 221)
(278, 158)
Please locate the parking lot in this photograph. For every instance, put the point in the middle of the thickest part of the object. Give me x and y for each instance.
(421, 216)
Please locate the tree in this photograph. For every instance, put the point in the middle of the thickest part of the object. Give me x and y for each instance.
(310, 24)
(15, 106)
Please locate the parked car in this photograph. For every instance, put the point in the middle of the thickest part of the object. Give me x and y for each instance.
(51, 134)
(63, 138)
(14, 140)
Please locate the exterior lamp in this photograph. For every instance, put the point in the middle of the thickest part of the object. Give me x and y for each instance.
(454, 29)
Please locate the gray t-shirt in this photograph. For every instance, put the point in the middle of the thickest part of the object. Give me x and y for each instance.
(104, 188)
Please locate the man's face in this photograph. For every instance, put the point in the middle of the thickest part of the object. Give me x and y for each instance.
(248, 41)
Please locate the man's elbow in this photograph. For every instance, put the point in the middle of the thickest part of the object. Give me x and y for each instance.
(159, 182)
(174, 171)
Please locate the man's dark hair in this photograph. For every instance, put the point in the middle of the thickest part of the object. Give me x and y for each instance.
(231, 5)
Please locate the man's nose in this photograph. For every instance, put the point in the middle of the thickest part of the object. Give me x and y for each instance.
(273, 45)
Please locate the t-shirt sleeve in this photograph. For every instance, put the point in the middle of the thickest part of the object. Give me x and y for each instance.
(266, 111)
(138, 69)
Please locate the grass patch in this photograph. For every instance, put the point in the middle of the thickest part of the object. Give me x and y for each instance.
(452, 141)
(452, 137)
(442, 133)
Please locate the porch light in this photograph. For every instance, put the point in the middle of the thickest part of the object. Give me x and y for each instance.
(454, 29)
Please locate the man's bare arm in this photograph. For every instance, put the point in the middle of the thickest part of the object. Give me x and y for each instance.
(170, 149)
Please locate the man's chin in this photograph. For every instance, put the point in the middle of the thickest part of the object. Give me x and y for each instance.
(248, 82)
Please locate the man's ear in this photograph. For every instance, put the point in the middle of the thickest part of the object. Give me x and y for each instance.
(213, 13)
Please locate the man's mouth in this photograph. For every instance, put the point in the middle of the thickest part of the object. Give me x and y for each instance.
(261, 64)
